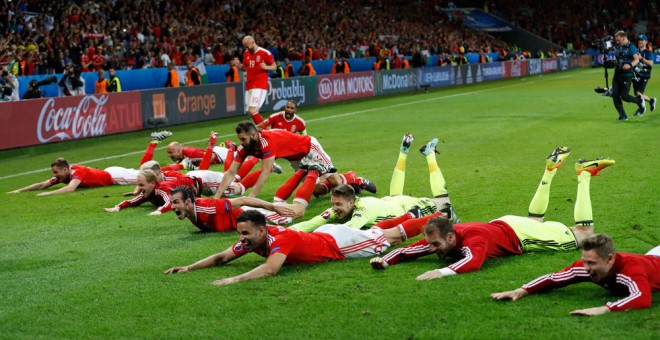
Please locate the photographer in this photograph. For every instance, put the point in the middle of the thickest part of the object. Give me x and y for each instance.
(8, 86)
(72, 84)
(627, 58)
(33, 91)
(643, 72)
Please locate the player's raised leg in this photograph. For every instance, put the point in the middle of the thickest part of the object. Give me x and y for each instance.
(539, 204)
(399, 175)
(437, 181)
(584, 224)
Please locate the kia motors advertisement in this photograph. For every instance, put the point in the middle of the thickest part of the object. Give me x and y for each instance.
(338, 87)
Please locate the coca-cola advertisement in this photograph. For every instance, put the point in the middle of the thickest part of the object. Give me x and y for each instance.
(338, 87)
(50, 120)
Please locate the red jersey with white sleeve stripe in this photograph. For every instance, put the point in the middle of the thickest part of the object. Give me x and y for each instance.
(475, 242)
(213, 214)
(89, 177)
(159, 197)
(278, 121)
(257, 78)
(171, 175)
(298, 247)
(278, 144)
(633, 275)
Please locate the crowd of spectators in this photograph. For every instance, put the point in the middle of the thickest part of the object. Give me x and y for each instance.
(44, 36)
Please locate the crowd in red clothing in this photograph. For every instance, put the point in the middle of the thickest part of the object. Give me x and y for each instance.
(44, 36)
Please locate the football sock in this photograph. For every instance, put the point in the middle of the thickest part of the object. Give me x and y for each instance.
(399, 175)
(284, 192)
(250, 180)
(149, 153)
(414, 227)
(229, 159)
(393, 222)
(305, 191)
(246, 167)
(583, 215)
(256, 117)
(206, 159)
(173, 167)
(539, 204)
(346, 178)
(438, 184)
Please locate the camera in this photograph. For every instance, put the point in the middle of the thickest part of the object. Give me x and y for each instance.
(604, 44)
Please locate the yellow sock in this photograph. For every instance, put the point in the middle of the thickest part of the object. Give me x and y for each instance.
(539, 204)
(583, 214)
(399, 175)
(438, 184)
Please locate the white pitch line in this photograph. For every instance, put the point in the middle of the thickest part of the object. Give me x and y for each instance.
(308, 120)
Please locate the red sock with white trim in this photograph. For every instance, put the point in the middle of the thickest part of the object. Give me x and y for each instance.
(393, 222)
(304, 193)
(149, 153)
(250, 180)
(284, 192)
(414, 227)
(172, 167)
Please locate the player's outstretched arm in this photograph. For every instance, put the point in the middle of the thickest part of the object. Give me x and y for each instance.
(591, 311)
(229, 176)
(214, 260)
(513, 295)
(282, 209)
(378, 263)
(270, 268)
(266, 165)
(72, 186)
(35, 186)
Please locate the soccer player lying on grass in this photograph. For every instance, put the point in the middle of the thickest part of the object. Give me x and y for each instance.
(472, 242)
(219, 214)
(268, 145)
(285, 120)
(366, 211)
(631, 275)
(81, 176)
(285, 246)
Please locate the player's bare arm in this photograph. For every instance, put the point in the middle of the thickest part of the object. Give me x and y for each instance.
(591, 311)
(229, 176)
(430, 275)
(282, 209)
(270, 268)
(266, 165)
(35, 186)
(212, 261)
(72, 186)
(271, 67)
(513, 295)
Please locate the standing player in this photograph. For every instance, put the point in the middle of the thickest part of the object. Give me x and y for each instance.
(472, 242)
(285, 246)
(366, 211)
(81, 176)
(285, 120)
(219, 214)
(257, 62)
(632, 275)
(643, 73)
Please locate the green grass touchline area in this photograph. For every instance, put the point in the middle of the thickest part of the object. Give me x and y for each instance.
(71, 270)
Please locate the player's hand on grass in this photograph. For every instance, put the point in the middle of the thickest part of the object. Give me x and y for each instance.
(591, 311)
(378, 263)
(175, 270)
(14, 192)
(430, 275)
(284, 210)
(225, 282)
(155, 213)
(514, 295)
(129, 194)
(113, 209)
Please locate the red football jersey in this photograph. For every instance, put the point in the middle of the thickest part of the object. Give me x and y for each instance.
(278, 144)
(97, 59)
(278, 121)
(299, 247)
(636, 276)
(475, 242)
(89, 177)
(257, 78)
(159, 197)
(215, 214)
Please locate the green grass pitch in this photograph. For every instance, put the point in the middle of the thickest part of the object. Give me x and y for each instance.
(71, 270)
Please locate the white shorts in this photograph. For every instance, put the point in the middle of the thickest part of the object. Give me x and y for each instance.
(355, 243)
(255, 98)
(123, 176)
(654, 252)
(221, 153)
(210, 180)
(317, 154)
